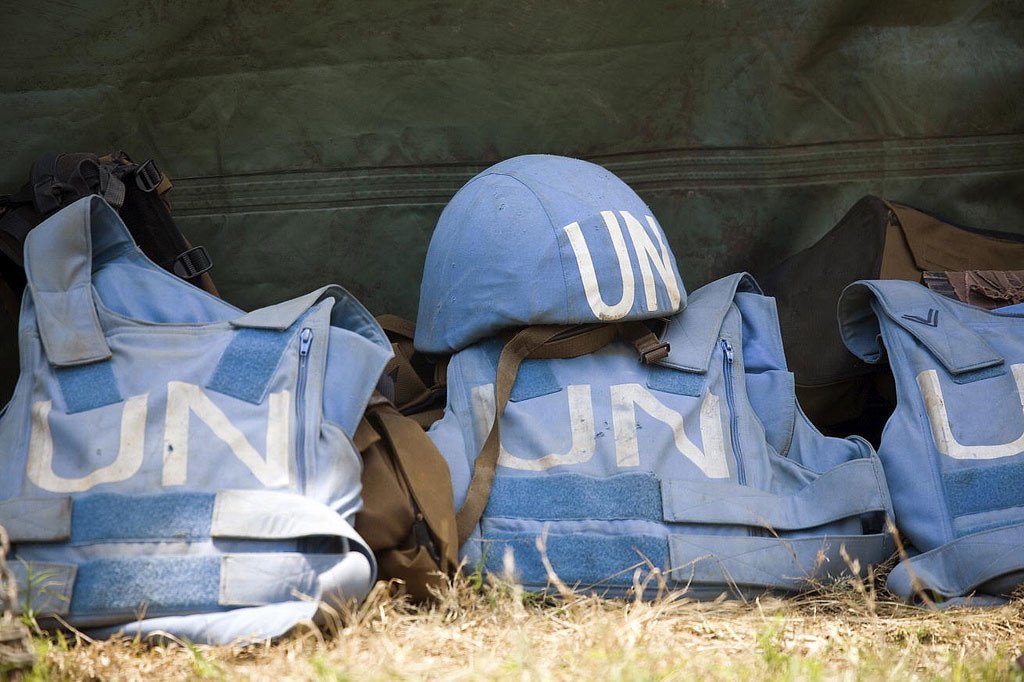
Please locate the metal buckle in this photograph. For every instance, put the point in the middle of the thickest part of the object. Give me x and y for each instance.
(148, 176)
(655, 353)
(192, 263)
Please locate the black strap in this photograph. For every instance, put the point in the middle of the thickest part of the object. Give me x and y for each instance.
(650, 348)
(43, 183)
(19, 198)
(148, 176)
(60, 179)
(192, 263)
(14, 228)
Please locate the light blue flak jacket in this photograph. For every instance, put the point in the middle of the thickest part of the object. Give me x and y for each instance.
(697, 472)
(171, 464)
(953, 450)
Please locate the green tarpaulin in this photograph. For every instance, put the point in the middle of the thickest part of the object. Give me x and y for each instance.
(315, 142)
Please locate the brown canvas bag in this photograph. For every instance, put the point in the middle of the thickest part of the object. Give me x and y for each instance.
(876, 239)
(408, 515)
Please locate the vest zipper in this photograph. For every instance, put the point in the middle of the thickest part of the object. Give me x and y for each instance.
(734, 421)
(305, 341)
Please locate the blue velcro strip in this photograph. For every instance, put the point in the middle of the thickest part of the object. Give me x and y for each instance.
(979, 374)
(675, 381)
(559, 497)
(86, 387)
(108, 517)
(581, 558)
(249, 363)
(533, 379)
(981, 489)
(157, 585)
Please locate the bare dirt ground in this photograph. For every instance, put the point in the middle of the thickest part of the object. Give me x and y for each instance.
(495, 631)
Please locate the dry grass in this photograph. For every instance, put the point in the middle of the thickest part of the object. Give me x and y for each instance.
(495, 631)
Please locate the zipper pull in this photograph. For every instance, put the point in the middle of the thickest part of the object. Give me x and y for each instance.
(305, 341)
(727, 347)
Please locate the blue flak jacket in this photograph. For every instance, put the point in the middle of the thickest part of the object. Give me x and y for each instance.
(953, 450)
(171, 463)
(700, 468)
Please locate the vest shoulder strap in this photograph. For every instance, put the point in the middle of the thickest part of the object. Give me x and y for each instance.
(693, 333)
(935, 321)
(347, 313)
(65, 312)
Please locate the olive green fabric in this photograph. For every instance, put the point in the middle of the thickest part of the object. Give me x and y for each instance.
(314, 142)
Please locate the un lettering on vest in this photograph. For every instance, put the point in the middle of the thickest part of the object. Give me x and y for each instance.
(183, 401)
(942, 431)
(651, 257)
(626, 400)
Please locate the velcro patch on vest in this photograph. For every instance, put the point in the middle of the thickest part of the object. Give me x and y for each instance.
(562, 497)
(87, 387)
(108, 517)
(981, 489)
(675, 381)
(583, 559)
(249, 362)
(534, 378)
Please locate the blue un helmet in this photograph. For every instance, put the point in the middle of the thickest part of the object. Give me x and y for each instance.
(543, 239)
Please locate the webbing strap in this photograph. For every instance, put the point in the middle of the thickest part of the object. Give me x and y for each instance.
(771, 562)
(170, 584)
(651, 348)
(961, 566)
(401, 383)
(176, 516)
(37, 519)
(192, 263)
(724, 562)
(428, 478)
(397, 325)
(547, 342)
(515, 351)
(42, 179)
(846, 491)
(14, 229)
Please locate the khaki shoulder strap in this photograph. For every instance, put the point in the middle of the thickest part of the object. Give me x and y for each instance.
(428, 477)
(398, 326)
(541, 341)
(417, 381)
